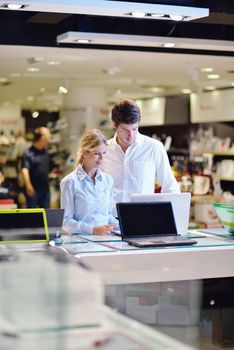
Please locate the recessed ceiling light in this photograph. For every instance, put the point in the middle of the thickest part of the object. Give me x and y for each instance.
(62, 90)
(35, 114)
(168, 45)
(206, 69)
(157, 89)
(176, 17)
(82, 41)
(14, 6)
(210, 88)
(33, 69)
(15, 75)
(138, 14)
(155, 15)
(30, 98)
(53, 63)
(3, 80)
(186, 91)
(213, 76)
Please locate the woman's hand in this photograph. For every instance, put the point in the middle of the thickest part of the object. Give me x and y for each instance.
(103, 230)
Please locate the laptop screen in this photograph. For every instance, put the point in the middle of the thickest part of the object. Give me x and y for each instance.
(23, 225)
(180, 204)
(54, 217)
(146, 219)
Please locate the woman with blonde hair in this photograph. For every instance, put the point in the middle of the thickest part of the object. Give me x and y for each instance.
(86, 193)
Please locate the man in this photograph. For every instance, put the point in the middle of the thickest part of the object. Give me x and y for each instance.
(135, 161)
(35, 169)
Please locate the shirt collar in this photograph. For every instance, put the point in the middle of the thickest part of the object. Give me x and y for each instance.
(82, 174)
(138, 140)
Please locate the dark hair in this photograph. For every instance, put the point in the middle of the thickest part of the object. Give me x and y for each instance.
(37, 135)
(126, 112)
(40, 132)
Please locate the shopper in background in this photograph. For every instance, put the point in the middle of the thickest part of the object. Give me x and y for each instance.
(35, 170)
(86, 193)
(133, 160)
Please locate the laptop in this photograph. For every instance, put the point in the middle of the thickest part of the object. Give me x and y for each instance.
(54, 222)
(180, 204)
(149, 225)
(23, 226)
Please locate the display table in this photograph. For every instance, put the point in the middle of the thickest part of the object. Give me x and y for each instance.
(48, 302)
(212, 257)
(185, 292)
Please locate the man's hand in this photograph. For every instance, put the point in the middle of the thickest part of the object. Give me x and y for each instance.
(30, 190)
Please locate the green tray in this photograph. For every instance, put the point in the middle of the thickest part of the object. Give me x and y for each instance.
(226, 214)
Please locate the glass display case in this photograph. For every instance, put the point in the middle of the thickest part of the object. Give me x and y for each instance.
(49, 301)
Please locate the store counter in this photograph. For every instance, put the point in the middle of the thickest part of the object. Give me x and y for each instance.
(48, 302)
(212, 257)
(185, 292)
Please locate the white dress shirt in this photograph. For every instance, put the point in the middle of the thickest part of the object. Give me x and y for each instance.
(86, 204)
(138, 169)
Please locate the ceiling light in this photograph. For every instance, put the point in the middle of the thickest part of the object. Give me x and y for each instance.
(83, 41)
(157, 89)
(15, 75)
(176, 18)
(62, 90)
(33, 69)
(168, 45)
(206, 69)
(113, 70)
(14, 6)
(155, 15)
(30, 98)
(210, 88)
(232, 84)
(116, 8)
(53, 63)
(3, 80)
(138, 14)
(186, 91)
(35, 114)
(213, 76)
(140, 41)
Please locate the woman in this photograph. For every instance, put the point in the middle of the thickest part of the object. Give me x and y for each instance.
(86, 193)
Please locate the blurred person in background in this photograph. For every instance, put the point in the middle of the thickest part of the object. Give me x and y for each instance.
(35, 170)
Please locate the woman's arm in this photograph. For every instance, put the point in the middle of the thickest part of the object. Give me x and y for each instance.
(71, 225)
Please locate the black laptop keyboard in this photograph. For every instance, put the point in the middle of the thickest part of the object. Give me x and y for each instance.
(160, 238)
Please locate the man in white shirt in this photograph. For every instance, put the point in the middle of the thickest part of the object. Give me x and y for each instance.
(135, 161)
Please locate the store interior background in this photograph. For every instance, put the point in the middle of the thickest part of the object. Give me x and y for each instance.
(170, 85)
